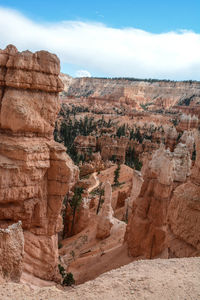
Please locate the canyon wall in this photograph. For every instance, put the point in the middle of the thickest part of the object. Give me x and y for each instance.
(159, 94)
(165, 217)
(35, 171)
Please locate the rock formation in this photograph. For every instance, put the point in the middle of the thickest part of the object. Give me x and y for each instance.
(35, 172)
(188, 122)
(196, 170)
(113, 148)
(184, 221)
(171, 138)
(95, 164)
(84, 216)
(146, 229)
(166, 214)
(108, 146)
(187, 138)
(105, 222)
(136, 187)
(184, 213)
(133, 93)
(85, 144)
(11, 252)
(182, 162)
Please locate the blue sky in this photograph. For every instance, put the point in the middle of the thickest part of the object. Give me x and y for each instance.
(151, 15)
(109, 38)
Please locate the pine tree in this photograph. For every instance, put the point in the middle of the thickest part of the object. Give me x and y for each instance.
(121, 131)
(138, 136)
(116, 173)
(101, 193)
(194, 153)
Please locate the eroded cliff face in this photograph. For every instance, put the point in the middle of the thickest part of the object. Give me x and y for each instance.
(166, 215)
(159, 94)
(184, 213)
(35, 171)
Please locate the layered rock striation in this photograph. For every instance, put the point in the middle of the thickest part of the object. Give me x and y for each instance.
(133, 92)
(35, 171)
(165, 217)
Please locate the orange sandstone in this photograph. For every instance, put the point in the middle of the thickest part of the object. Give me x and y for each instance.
(35, 172)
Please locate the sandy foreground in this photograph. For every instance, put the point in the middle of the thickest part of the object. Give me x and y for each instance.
(147, 279)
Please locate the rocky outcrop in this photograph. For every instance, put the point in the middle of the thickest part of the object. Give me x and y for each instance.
(29, 82)
(106, 221)
(146, 229)
(171, 138)
(187, 138)
(113, 148)
(184, 221)
(95, 164)
(184, 214)
(85, 144)
(193, 110)
(196, 170)
(11, 252)
(84, 215)
(137, 182)
(166, 214)
(182, 163)
(35, 172)
(188, 122)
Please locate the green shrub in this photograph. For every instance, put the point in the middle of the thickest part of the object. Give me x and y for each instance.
(61, 270)
(68, 279)
(116, 175)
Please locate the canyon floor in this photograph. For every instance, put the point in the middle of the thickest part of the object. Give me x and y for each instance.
(145, 279)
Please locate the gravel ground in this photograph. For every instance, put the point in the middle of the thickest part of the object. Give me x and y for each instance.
(146, 279)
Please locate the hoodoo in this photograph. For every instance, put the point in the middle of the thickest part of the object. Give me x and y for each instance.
(137, 196)
(166, 214)
(35, 171)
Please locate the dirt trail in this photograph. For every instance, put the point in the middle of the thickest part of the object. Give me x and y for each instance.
(96, 182)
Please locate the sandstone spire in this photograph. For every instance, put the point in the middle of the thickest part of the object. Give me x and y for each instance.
(35, 172)
(106, 214)
(165, 218)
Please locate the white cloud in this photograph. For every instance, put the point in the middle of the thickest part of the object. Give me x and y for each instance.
(83, 73)
(104, 50)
